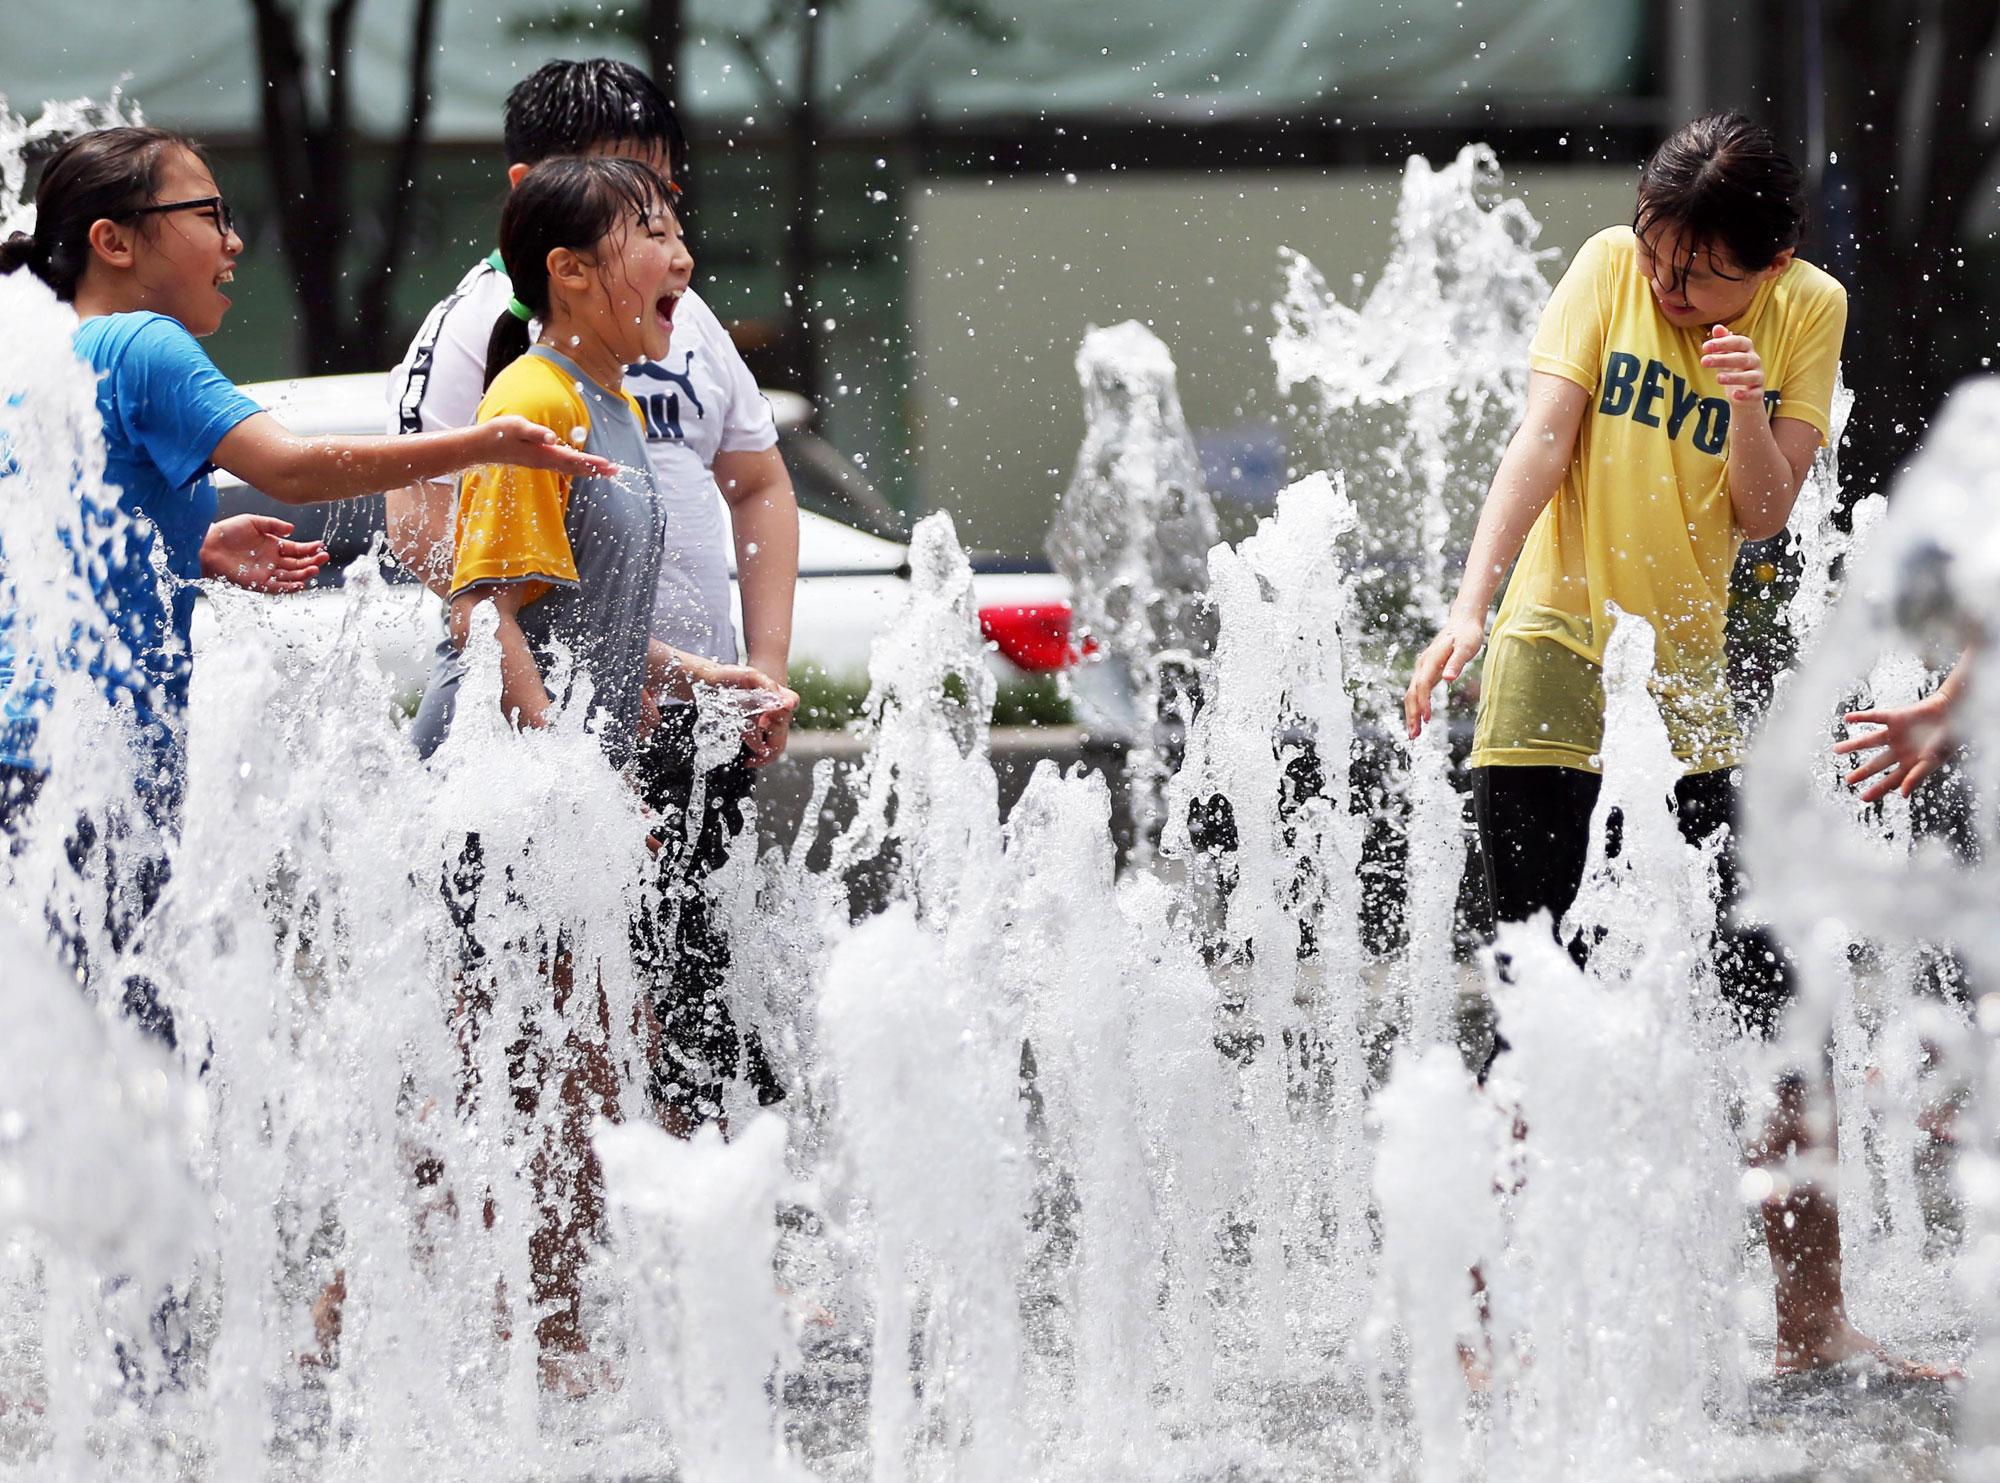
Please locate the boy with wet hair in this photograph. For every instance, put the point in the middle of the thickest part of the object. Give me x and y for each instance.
(712, 444)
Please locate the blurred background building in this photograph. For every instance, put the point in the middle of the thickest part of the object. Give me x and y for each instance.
(912, 209)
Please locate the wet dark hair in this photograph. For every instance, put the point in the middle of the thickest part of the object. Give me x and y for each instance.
(573, 203)
(567, 108)
(1723, 182)
(105, 175)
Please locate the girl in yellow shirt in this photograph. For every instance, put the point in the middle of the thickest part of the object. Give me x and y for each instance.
(1680, 384)
(569, 564)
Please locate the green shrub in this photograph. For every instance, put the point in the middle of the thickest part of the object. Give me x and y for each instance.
(835, 702)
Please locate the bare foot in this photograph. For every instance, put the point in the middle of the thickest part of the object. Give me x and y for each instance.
(1847, 1348)
(327, 1311)
(1939, 1120)
(576, 1376)
(808, 1311)
(1478, 1373)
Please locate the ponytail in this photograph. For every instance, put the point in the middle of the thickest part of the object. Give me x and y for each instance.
(18, 251)
(105, 175)
(572, 203)
(507, 344)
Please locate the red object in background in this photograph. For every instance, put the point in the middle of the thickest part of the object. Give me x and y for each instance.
(1035, 636)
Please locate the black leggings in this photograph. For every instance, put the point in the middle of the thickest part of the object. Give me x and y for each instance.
(1534, 835)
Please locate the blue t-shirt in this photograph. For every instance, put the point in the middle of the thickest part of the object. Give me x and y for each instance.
(165, 406)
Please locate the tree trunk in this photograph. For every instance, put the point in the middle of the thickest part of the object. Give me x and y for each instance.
(801, 259)
(377, 317)
(291, 164)
(1911, 191)
(665, 25)
(309, 162)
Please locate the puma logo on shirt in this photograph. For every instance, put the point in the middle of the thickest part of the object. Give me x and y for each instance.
(663, 409)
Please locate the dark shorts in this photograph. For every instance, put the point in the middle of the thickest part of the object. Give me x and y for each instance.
(1534, 836)
(680, 940)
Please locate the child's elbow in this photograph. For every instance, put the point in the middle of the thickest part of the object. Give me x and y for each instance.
(1763, 525)
(291, 481)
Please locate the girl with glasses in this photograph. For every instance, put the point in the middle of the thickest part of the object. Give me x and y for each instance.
(132, 231)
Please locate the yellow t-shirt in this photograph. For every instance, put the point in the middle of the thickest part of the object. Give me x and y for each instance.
(512, 522)
(1643, 517)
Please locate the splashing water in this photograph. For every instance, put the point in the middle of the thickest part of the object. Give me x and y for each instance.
(1917, 591)
(1600, 1333)
(1077, 1176)
(1415, 392)
(699, 1234)
(1132, 533)
(22, 140)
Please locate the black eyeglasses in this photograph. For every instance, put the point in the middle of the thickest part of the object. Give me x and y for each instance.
(224, 221)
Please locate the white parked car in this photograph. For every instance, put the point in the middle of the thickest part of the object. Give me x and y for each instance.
(852, 560)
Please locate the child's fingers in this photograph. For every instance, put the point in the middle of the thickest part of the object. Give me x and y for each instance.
(1866, 742)
(1417, 698)
(1411, 722)
(1870, 768)
(1876, 792)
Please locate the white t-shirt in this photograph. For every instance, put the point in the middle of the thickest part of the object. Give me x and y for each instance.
(699, 401)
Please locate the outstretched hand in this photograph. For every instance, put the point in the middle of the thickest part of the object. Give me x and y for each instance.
(252, 552)
(1442, 661)
(1911, 744)
(765, 734)
(529, 445)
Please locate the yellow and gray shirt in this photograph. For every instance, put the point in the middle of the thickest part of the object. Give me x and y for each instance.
(586, 549)
(1643, 518)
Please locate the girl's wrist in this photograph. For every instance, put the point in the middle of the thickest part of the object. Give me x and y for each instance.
(1462, 611)
(1754, 409)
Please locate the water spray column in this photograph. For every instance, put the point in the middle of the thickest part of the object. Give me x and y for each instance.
(1924, 584)
(1260, 813)
(927, 1165)
(1132, 533)
(1618, 1318)
(1877, 1053)
(1413, 393)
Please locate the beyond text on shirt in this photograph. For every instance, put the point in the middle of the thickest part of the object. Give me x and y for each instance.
(1643, 518)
